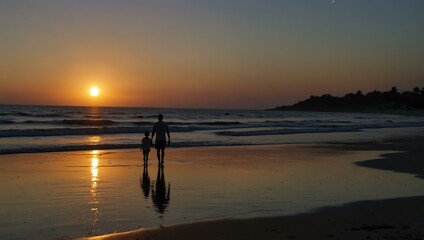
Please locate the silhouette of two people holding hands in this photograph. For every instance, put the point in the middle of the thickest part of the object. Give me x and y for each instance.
(160, 130)
(160, 193)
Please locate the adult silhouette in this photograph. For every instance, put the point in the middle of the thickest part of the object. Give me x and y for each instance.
(161, 130)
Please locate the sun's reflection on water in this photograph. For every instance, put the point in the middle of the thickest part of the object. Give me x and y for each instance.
(94, 195)
(94, 140)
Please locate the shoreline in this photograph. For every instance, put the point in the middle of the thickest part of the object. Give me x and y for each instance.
(351, 145)
(406, 159)
(399, 218)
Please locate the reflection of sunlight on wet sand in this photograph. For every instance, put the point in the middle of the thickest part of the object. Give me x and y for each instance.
(94, 168)
(94, 180)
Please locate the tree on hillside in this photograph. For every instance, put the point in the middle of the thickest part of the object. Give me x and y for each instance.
(375, 100)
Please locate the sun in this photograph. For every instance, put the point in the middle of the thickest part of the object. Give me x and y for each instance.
(94, 91)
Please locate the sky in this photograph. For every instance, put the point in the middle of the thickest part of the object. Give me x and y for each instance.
(206, 53)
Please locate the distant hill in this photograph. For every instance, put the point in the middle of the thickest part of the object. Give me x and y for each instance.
(372, 101)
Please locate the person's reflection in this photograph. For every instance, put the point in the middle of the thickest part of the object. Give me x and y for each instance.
(160, 194)
(145, 182)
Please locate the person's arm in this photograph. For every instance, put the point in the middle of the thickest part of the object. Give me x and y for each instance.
(153, 133)
(169, 137)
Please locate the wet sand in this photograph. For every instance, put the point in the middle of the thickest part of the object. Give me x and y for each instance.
(407, 159)
(385, 219)
(400, 218)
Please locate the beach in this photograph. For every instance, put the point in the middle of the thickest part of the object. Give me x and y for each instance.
(399, 218)
(303, 191)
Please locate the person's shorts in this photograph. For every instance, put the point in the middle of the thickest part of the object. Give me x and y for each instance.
(160, 144)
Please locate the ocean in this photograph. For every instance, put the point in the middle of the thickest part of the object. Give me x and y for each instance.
(78, 186)
(29, 129)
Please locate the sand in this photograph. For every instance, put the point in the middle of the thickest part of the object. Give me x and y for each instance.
(388, 219)
(401, 218)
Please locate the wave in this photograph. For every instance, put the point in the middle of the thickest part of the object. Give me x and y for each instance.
(38, 122)
(106, 122)
(90, 116)
(62, 148)
(68, 131)
(88, 122)
(84, 131)
(221, 128)
(81, 122)
(216, 123)
(318, 129)
(25, 114)
(149, 116)
(220, 123)
(41, 149)
(6, 121)
(142, 123)
(282, 132)
(309, 121)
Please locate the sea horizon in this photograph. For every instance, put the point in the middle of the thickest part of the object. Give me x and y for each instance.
(147, 107)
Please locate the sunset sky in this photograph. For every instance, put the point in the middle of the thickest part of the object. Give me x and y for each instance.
(206, 53)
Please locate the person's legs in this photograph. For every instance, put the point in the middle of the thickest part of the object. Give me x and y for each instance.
(158, 154)
(160, 147)
(163, 154)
